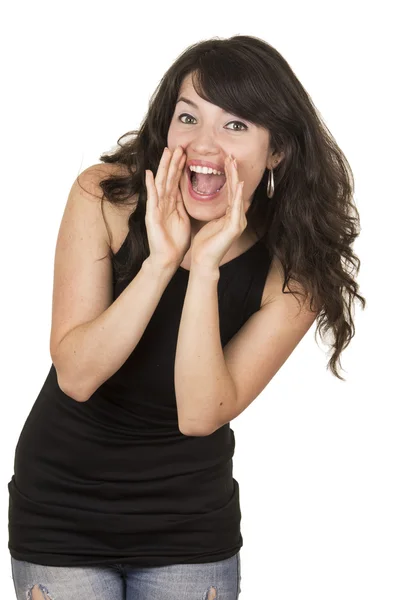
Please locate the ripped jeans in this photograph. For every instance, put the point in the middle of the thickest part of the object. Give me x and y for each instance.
(206, 581)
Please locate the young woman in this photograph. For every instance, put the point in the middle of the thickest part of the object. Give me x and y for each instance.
(179, 292)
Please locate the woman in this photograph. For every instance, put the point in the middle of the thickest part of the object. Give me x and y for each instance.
(178, 294)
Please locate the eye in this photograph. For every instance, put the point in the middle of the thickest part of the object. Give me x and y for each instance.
(190, 117)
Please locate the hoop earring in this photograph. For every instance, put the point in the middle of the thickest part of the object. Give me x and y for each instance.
(270, 184)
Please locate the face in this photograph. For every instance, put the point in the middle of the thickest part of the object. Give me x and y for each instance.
(207, 133)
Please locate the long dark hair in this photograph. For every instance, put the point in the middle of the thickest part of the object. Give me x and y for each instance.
(311, 222)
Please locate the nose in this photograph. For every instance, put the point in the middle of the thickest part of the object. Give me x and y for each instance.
(204, 145)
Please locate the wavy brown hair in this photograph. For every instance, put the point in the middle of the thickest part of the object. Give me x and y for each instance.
(311, 222)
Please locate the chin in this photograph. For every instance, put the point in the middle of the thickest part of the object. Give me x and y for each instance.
(206, 211)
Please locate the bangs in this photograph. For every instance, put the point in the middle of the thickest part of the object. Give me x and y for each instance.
(233, 92)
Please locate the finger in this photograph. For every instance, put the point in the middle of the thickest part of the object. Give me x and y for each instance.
(174, 174)
(230, 180)
(241, 201)
(175, 171)
(239, 191)
(241, 217)
(234, 169)
(236, 209)
(180, 205)
(238, 195)
(162, 172)
(237, 204)
(151, 193)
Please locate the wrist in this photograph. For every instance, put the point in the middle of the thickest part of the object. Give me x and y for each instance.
(158, 269)
(211, 272)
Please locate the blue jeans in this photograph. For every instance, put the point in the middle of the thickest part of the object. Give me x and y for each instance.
(206, 581)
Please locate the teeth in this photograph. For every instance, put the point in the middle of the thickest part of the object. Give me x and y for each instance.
(205, 170)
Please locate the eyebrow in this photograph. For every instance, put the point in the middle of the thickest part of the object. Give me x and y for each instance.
(183, 99)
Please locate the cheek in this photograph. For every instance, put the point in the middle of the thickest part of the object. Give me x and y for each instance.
(256, 178)
(171, 137)
(177, 136)
(174, 130)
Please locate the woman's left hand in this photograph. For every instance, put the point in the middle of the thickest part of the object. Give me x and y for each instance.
(213, 240)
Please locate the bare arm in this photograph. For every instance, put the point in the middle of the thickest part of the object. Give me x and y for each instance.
(92, 336)
(92, 352)
(203, 385)
(214, 385)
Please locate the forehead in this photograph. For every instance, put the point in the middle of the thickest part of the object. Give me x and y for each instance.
(188, 93)
(187, 86)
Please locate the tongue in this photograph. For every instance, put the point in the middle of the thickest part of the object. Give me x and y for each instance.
(208, 184)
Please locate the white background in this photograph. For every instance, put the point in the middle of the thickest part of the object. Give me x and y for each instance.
(315, 457)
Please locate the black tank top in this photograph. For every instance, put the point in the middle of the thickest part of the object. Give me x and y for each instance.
(113, 480)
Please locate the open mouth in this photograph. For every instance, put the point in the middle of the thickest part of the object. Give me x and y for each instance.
(206, 184)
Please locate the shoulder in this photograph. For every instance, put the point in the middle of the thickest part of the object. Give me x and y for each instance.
(274, 282)
(114, 215)
(89, 179)
(273, 290)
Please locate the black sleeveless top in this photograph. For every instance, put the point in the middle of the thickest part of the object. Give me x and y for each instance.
(113, 480)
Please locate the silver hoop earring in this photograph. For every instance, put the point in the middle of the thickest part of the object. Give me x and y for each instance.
(270, 184)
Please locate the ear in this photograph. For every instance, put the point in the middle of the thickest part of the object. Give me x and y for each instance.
(274, 159)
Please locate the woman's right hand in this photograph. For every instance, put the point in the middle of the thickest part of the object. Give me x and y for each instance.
(167, 222)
